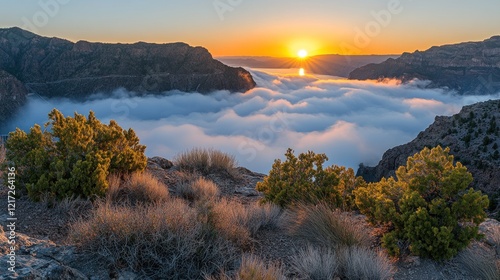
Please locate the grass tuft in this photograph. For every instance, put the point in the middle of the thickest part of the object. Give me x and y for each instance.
(315, 264)
(480, 262)
(137, 188)
(322, 226)
(199, 189)
(363, 263)
(253, 268)
(157, 240)
(239, 223)
(207, 161)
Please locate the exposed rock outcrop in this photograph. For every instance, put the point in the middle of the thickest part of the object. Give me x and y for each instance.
(468, 68)
(473, 138)
(12, 95)
(54, 67)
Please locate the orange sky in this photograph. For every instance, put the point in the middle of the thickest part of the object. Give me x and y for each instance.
(267, 28)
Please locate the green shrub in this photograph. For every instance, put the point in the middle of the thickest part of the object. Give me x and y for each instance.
(428, 205)
(75, 157)
(303, 179)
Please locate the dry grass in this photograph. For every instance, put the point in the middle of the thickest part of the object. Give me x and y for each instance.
(323, 226)
(480, 262)
(137, 188)
(239, 223)
(253, 268)
(158, 240)
(315, 264)
(3, 158)
(199, 189)
(206, 161)
(362, 263)
(3, 238)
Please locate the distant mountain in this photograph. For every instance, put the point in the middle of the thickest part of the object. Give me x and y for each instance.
(473, 138)
(54, 67)
(330, 64)
(468, 68)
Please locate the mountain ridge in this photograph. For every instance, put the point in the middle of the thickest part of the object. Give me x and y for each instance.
(468, 68)
(55, 67)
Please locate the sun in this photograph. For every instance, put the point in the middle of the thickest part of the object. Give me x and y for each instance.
(302, 53)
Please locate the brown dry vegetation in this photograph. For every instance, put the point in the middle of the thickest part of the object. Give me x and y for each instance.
(140, 187)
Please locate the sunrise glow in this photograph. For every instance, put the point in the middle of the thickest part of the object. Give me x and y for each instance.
(302, 54)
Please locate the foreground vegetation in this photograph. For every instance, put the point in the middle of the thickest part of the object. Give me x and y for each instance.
(191, 229)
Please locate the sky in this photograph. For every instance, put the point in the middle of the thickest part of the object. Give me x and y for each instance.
(263, 28)
(352, 122)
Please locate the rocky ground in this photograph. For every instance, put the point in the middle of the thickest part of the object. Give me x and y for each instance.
(45, 253)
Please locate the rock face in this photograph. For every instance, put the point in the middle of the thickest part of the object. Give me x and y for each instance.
(468, 68)
(473, 138)
(12, 95)
(54, 67)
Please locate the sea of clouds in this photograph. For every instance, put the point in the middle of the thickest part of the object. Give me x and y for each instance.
(352, 122)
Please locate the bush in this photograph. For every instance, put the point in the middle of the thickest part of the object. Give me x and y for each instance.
(206, 161)
(137, 188)
(428, 205)
(303, 179)
(200, 189)
(75, 157)
(159, 241)
(325, 227)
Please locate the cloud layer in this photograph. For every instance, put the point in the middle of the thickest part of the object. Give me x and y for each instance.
(351, 121)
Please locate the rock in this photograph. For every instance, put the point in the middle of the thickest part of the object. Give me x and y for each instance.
(469, 68)
(12, 95)
(247, 191)
(491, 230)
(40, 259)
(473, 138)
(159, 162)
(54, 67)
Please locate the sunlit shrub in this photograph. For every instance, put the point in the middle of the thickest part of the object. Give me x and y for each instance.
(429, 205)
(303, 179)
(73, 156)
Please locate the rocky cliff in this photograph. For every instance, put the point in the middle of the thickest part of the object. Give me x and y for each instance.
(468, 68)
(473, 138)
(54, 67)
(12, 95)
